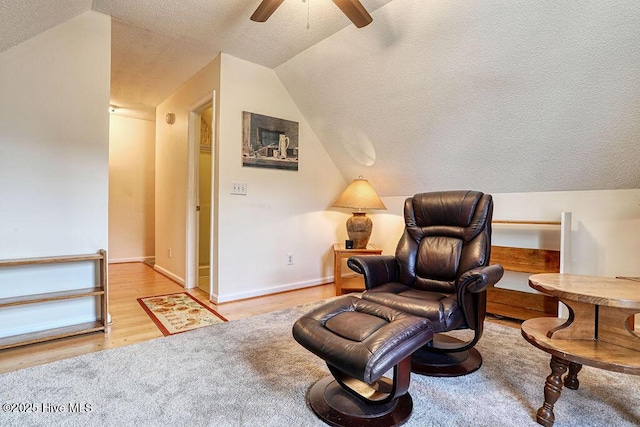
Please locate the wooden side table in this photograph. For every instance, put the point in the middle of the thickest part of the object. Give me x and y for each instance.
(339, 252)
(597, 332)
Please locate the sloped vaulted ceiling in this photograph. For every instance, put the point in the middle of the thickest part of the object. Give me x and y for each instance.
(508, 96)
(159, 44)
(21, 20)
(501, 96)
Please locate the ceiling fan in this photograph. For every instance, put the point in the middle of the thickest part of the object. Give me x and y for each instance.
(352, 8)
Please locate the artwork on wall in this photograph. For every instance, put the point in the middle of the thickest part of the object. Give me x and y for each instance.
(205, 135)
(269, 142)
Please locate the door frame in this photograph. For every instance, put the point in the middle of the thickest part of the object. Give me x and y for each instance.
(193, 161)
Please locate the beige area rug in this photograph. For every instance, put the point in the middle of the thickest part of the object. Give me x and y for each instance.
(176, 313)
(251, 372)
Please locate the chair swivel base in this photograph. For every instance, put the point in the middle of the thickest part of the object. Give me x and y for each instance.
(337, 407)
(443, 364)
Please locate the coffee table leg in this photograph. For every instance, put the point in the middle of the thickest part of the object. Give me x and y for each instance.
(571, 380)
(552, 389)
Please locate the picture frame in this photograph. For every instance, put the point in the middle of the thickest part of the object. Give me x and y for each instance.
(269, 142)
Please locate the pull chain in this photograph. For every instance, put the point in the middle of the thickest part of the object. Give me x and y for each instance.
(308, 12)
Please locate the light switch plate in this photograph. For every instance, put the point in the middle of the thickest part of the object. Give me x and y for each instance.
(239, 188)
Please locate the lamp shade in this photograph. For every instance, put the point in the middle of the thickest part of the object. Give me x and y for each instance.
(359, 195)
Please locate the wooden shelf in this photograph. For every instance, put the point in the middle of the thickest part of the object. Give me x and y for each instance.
(49, 260)
(526, 304)
(524, 222)
(520, 305)
(50, 334)
(100, 291)
(51, 296)
(585, 352)
(525, 260)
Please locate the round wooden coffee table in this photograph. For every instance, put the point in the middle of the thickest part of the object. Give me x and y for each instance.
(599, 331)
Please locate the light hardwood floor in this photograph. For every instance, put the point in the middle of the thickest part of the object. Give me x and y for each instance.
(130, 324)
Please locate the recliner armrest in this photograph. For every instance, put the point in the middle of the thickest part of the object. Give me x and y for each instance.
(377, 269)
(479, 279)
(469, 285)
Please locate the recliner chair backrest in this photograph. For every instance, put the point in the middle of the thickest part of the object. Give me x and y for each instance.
(446, 233)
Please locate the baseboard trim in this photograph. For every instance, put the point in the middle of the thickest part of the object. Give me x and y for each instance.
(269, 291)
(217, 299)
(179, 280)
(150, 259)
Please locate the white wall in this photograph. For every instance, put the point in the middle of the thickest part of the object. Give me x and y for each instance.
(283, 211)
(54, 139)
(605, 232)
(131, 189)
(172, 170)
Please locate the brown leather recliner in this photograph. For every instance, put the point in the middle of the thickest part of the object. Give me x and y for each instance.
(440, 272)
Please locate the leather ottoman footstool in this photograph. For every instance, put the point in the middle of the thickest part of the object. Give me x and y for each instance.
(360, 341)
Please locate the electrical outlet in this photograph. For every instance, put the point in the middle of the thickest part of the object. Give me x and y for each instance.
(239, 188)
(289, 259)
(169, 252)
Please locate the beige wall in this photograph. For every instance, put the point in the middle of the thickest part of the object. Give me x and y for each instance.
(289, 212)
(283, 211)
(131, 189)
(605, 230)
(171, 177)
(604, 237)
(54, 125)
(54, 142)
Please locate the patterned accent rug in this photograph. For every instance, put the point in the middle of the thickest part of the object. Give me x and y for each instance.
(176, 313)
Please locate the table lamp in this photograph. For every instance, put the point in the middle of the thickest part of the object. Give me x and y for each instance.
(359, 195)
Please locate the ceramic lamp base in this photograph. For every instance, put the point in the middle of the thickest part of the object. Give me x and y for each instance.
(359, 228)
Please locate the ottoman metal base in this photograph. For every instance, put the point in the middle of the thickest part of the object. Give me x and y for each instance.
(337, 407)
(439, 363)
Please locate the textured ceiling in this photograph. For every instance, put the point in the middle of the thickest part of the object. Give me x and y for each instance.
(501, 96)
(159, 44)
(21, 20)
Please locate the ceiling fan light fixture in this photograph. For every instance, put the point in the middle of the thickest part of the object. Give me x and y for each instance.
(353, 9)
(265, 10)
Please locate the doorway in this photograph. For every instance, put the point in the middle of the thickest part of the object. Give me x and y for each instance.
(201, 200)
(204, 198)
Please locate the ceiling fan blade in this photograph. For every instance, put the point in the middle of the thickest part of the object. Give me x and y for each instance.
(355, 11)
(265, 9)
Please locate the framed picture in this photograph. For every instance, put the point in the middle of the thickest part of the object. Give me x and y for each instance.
(269, 142)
